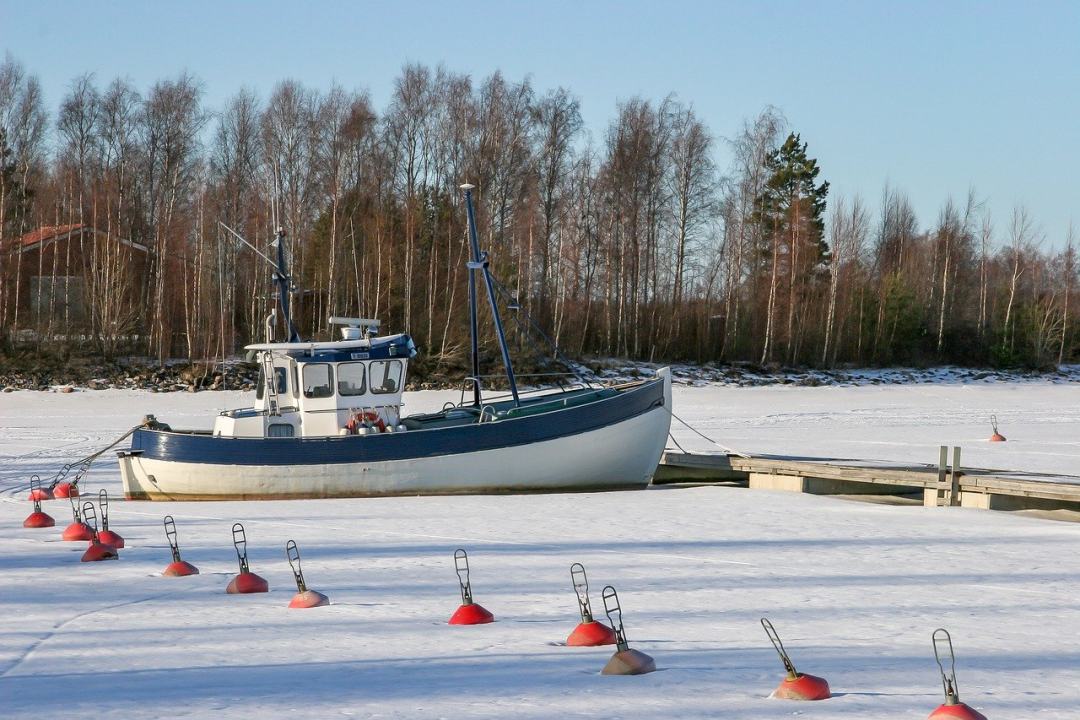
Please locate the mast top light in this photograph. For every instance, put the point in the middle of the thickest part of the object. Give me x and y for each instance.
(466, 186)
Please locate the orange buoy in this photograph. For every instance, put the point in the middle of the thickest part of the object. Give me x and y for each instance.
(997, 436)
(589, 632)
(246, 582)
(178, 567)
(625, 660)
(77, 530)
(469, 612)
(304, 597)
(953, 709)
(106, 535)
(797, 685)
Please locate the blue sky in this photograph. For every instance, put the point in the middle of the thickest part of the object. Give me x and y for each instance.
(932, 97)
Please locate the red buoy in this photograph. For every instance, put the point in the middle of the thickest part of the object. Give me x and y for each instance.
(304, 598)
(39, 493)
(469, 613)
(803, 687)
(247, 581)
(77, 531)
(65, 490)
(589, 632)
(100, 551)
(37, 519)
(180, 568)
(960, 711)
(110, 538)
(953, 709)
(797, 685)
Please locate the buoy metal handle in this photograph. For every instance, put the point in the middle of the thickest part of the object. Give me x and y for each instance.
(293, 554)
(170, 535)
(778, 644)
(76, 514)
(581, 588)
(103, 503)
(942, 639)
(239, 539)
(461, 566)
(90, 518)
(35, 486)
(994, 423)
(614, 616)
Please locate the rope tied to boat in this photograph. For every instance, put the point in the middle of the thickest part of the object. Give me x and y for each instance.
(725, 448)
(83, 464)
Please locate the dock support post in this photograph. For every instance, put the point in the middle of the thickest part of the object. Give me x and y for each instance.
(954, 486)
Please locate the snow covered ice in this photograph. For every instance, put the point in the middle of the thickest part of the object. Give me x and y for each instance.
(854, 589)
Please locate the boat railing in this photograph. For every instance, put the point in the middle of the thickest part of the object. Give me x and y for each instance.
(561, 387)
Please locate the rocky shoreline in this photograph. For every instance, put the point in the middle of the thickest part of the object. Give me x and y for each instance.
(239, 375)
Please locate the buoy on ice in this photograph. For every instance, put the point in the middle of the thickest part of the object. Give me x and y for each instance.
(38, 493)
(97, 550)
(304, 597)
(953, 709)
(178, 567)
(37, 519)
(246, 581)
(797, 685)
(589, 632)
(106, 535)
(626, 660)
(469, 613)
(77, 530)
(997, 436)
(66, 490)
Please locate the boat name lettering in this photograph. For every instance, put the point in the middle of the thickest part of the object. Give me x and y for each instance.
(360, 356)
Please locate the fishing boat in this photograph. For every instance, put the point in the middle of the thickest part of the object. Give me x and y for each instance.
(328, 421)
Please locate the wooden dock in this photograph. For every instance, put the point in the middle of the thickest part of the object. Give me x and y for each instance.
(944, 484)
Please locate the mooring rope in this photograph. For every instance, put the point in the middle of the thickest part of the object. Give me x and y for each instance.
(85, 463)
(725, 448)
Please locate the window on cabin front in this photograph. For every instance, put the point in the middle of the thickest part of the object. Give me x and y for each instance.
(350, 379)
(385, 376)
(279, 377)
(318, 380)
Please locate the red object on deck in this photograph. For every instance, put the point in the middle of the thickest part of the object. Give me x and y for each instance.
(65, 489)
(804, 687)
(180, 568)
(959, 711)
(247, 582)
(110, 538)
(591, 634)
(38, 519)
(100, 551)
(471, 614)
(78, 531)
(996, 437)
(40, 493)
(309, 599)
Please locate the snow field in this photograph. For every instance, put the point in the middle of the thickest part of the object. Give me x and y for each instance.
(854, 590)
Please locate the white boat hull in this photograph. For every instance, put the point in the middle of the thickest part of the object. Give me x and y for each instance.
(620, 455)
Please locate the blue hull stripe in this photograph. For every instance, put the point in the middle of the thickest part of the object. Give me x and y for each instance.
(207, 449)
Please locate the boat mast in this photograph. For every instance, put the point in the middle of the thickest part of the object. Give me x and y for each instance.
(480, 262)
(281, 277)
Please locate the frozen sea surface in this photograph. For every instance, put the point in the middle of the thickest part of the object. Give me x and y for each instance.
(855, 590)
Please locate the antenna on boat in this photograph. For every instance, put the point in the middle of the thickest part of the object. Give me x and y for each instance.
(480, 262)
(281, 274)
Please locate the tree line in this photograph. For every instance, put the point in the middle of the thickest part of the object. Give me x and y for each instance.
(636, 244)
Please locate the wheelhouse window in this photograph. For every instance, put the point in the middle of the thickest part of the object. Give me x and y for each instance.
(318, 380)
(350, 379)
(280, 380)
(385, 376)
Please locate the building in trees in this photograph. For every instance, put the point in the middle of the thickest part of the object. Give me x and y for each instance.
(74, 278)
